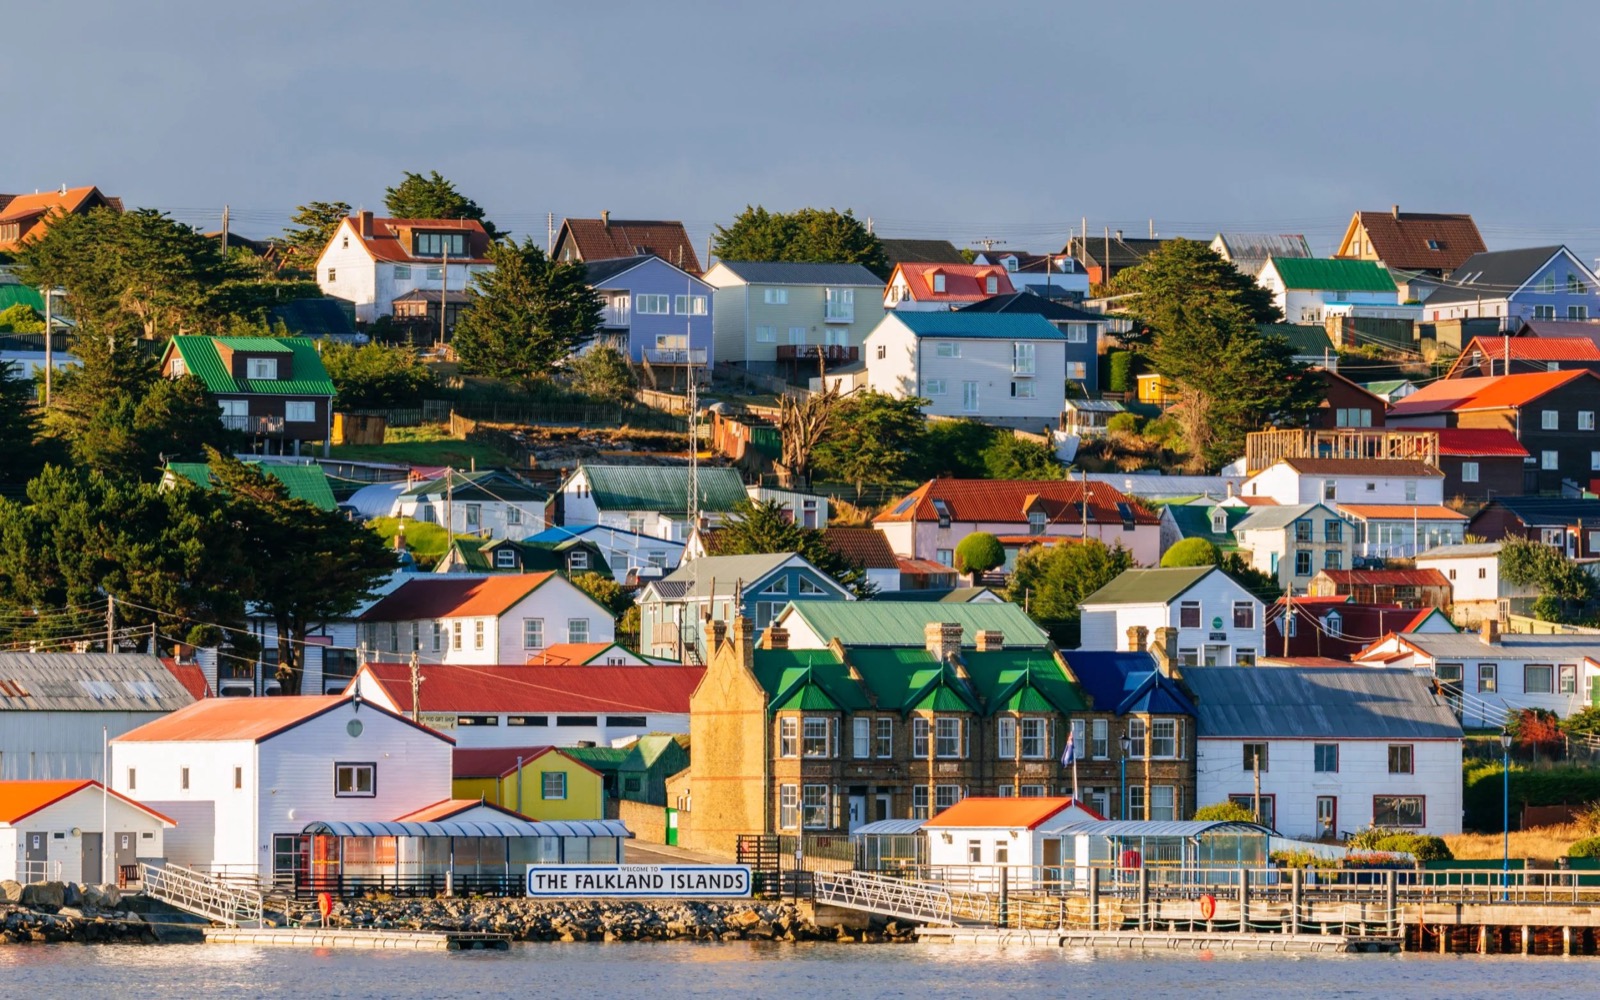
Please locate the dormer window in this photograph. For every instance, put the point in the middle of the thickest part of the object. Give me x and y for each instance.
(1035, 522)
(505, 558)
(1219, 521)
(439, 244)
(262, 369)
(1010, 263)
(177, 367)
(938, 281)
(991, 285)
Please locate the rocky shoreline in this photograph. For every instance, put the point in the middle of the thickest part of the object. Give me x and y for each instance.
(55, 912)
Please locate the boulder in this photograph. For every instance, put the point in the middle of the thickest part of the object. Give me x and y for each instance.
(72, 895)
(10, 892)
(44, 894)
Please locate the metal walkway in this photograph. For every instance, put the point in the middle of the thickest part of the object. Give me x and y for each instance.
(203, 895)
(894, 897)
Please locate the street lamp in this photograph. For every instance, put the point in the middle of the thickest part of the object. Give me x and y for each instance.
(1505, 812)
(1127, 744)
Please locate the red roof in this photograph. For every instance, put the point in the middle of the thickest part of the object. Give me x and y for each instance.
(984, 811)
(1007, 501)
(1401, 239)
(1492, 393)
(520, 689)
(221, 720)
(1400, 512)
(910, 566)
(21, 799)
(862, 544)
(1386, 577)
(1532, 349)
(498, 762)
(447, 596)
(388, 243)
(608, 239)
(190, 676)
(1257, 501)
(454, 807)
(1479, 443)
(42, 205)
(962, 282)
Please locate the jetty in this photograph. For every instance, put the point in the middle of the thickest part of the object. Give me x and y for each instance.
(351, 938)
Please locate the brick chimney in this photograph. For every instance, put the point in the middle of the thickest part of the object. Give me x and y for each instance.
(364, 224)
(1394, 212)
(942, 639)
(775, 638)
(991, 640)
(744, 640)
(605, 218)
(1491, 631)
(1138, 638)
(1165, 649)
(716, 634)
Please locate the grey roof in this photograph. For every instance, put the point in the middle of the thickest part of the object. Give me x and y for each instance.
(1264, 245)
(1151, 484)
(1462, 551)
(1095, 405)
(775, 272)
(1493, 274)
(88, 682)
(727, 572)
(1268, 518)
(473, 828)
(954, 595)
(1537, 511)
(376, 500)
(1334, 702)
(1512, 645)
(1032, 302)
(920, 251)
(1150, 586)
(889, 826)
(1304, 339)
(1167, 828)
(598, 272)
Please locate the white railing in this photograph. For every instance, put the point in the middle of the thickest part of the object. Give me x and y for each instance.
(202, 894)
(890, 896)
(39, 871)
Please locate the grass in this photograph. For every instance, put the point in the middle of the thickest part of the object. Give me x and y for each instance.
(430, 444)
(1544, 843)
(425, 539)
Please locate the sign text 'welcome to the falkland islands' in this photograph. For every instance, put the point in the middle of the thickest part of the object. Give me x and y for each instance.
(649, 881)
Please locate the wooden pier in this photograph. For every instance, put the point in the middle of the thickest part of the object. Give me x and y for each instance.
(347, 938)
(1306, 944)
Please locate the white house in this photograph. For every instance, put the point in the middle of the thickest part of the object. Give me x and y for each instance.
(243, 777)
(490, 504)
(1336, 749)
(1006, 369)
(55, 831)
(402, 267)
(1293, 541)
(1053, 275)
(1219, 623)
(980, 835)
(646, 499)
(629, 555)
(505, 618)
(1477, 588)
(1304, 287)
(1348, 480)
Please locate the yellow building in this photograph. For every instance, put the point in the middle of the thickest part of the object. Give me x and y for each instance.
(540, 782)
(1158, 389)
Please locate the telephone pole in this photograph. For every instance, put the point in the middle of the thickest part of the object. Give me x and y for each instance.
(444, 288)
(111, 623)
(990, 244)
(224, 230)
(1288, 616)
(416, 689)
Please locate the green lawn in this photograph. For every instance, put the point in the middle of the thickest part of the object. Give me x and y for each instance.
(429, 444)
(425, 539)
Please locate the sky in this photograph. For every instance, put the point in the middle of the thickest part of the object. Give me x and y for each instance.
(956, 120)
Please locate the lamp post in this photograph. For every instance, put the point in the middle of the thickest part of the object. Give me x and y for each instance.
(1127, 744)
(1505, 813)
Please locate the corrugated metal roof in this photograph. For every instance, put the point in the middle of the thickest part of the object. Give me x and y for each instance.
(902, 623)
(1333, 275)
(888, 827)
(519, 689)
(1462, 551)
(1268, 518)
(1492, 274)
(664, 489)
(772, 272)
(1168, 828)
(481, 828)
(200, 358)
(1150, 586)
(1466, 645)
(964, 324)
(726, 573)
(88, 682)
(304, 482)
(1291, 703)
(1487, 393)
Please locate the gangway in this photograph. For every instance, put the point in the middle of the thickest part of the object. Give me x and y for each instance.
(203, 895)
(895, 897)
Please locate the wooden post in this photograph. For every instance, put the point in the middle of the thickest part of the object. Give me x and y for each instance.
(1295, 875)
(1094, 899)
(1391, 902)
(1483, 939)
(1144, 896)
(1526, 936)
(1566, 940)
(1444, 939)
(1244, 900)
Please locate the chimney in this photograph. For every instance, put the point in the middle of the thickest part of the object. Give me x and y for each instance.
(364, 224)
(1491, 631)
(1165, 650)
(605, 218)
(1119, 236)
(1395, 212)
(63, 190)
(942, 639)
(716, 634)
(1138, 638)
(744, 634)
(991, 641)
(775, 638)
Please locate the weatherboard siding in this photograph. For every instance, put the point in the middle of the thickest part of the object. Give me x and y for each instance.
(216, 822)
(657, 277)
(910, 368)
(1287, 486)
(1105, 626)
(81, 811)
(925, 539)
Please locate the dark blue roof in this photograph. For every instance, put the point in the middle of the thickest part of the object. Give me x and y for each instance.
(1126, 682)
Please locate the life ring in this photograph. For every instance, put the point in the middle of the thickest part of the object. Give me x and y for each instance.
(1208, 906)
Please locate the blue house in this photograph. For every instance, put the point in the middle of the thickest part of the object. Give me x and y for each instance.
(654, 312)
(674, 611)
(1518, 285)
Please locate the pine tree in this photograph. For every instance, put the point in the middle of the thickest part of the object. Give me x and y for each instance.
(525, 315)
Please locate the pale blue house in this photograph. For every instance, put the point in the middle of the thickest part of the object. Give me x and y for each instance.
(1517, 285)
(653, 311)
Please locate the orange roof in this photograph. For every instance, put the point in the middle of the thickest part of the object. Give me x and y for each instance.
(962, 282)
(1479, 442)
(1257, 501)
(385, 242)
(1532, 349)
(219, 720)
(1400, 512)
(44, 205)
(1498, 392)
(981, 811)
(190, 676)
(564, 654)
(454, 807)
(21, 799)
(443, 596)
(1007, 501)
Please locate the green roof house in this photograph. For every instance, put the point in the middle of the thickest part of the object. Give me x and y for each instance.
(304, 482)
(569, 557)
(1304, 287)
(273, 390)
(1213, 522)
(647, 500)
(638, 771)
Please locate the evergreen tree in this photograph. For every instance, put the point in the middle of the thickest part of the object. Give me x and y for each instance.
(758, 527)
(433, 197)
(1052, 582)
(300, 247)
(872, 438)
(811, 235)
(20, 459)
(376, 375)
(525, 315)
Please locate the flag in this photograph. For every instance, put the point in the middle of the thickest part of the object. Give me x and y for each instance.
(1069, 753)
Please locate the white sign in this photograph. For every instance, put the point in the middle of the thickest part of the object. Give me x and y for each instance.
(640, 881)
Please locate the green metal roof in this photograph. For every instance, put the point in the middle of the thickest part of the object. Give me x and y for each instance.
(1149, 586)
(200, 358)
(304, 482)
(29, 296)
(1195, 522)
(1304, 338)
(1333, 275)
(484, 484)
(476, 556)
(664, 489)
(1022, 680)
(902, 623)
(979, 326)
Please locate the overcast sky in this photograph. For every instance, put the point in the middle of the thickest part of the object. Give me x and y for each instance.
(957, 119)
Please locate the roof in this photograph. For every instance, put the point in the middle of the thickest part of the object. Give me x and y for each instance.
(1470, 645)
(921, 251)
(481, 485)
(598, 272)
(190, 675)
(1007, 501)
(1401, 468)
(1185, 828)
(1337, 702)
(200, 359)
(1195, 522)
(1548, 511)
(1472, 442)
(1493, 274)
(1400, 512)
(506, 827)
(21, 799)
(1401, 239)
(1147, 484)
(42, 205)
(1385, 577)
(1476, 550)
(607, 239)
(1304, 339)
(1319, 273)
(477, 555)
(493, 762)
(962, 282)
(863, 545)
(570, 653)
(726, 573)
(902, 623)
(524, 689)
(447, 808)
(88, 682)
(1116, 251)
(445, 596)
(1248, 251)
(1489, 393)
(776, 272)
(965, 325)
(1530, 349)
(1385, 386)
(934, 595)
(982, 811)
(314, 317)
(663, 489)
(253, 720)
(1589, 328)
(1030, 301)
(304, 482)
(13, 293)
(387, 244)
(1150, 586)
(1269, 518)
(1124, 682)
(888, 827)
(451, 296)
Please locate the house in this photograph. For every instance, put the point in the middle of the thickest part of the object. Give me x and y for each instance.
(1397, 530)
(510, 705)
(1551, 413)
(542, 782)
(582, 654)
(1477, 589)
(930, 521)
(637, 771)
(1005, 369)
(1336, 628)
(572, 556)
(1391, 390)
(1569, 525)
(943, 287)
(1104, 256)
(654, 311)
(982, 831)
(1155, 389)
(490, 503)
(924, 575)
(590, 241)
(1481, 463)
(1507, 355)
(1291, 542)
(775, 316)
(1214, 523)
(1296, 480)
(868, 548)
(903, 622)
(243, 777)
(1052, 276)
(303, 482)
(647, 500)
(1081, 328)
(1514, 285)
(1488, 674)
(675, 610)
(504, 618)
(603, 548)
(1249, 252)
(1303, 287)
(1473, 463)
(1409, 588)
(57, 708)
(1217, 620)
(1344, 403)
(1419, 248)
(404, 268)
(27, 216)
(272, 390)
(808, 510)
(1321, 753)
(56, 831)
(1310, 342)
(900, 251)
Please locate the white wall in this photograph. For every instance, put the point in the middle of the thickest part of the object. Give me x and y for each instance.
(355, 277)
(557, 602)
(1286, 486)
(494, 517)
(38, 746)
(216, 822)
(901, 372)
(1105, 627)
(604, 733)
(81, 811)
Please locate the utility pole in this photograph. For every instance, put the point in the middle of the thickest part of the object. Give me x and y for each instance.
(1288, 616)
(449, 498)
(224, 230)
(1085, 505)
(416, 689)
(1152, 228)
(549, 233)
(444, 287)
(49, 293)
(990, 244)
(111, 623)
(1255, 765)
(1105, 265)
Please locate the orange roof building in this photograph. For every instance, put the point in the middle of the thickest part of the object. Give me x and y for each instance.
(33, 815)
(944, 286)
(27, 216)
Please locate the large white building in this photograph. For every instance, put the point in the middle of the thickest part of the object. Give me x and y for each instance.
(1477, 588)
(1348, 481)
(1336, 749)
(402, 267)
(1219, 623)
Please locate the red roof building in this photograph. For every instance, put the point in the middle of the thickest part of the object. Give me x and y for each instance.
(405, 268)
(1488, 356)
(1407, 588)
(1420, 242)
(1334, 628)
(915, 286)
(26, 216)
(606, 238)
(457, 809)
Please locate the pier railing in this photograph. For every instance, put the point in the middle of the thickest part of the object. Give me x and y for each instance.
(202, 894)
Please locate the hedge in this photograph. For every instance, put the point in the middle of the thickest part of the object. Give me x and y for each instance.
(1121, 379)
(1482, 790)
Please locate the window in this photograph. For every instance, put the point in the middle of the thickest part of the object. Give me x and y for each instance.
(1077, 333)
(133, 779)
(513, 515)
(933, 387)
(1164, 738)
(969, 397)
(1244, 614)
(779, 586)
(1449, 673)
(1325, 758)
(947, 738)
(1023, 361)
(1333, 559)
(1549, 460)
(333, 275)
(1302, 562)
(884, 738)
(1099, 739)
(1020, 390)
(807, 588)
(1469, 472)
(1163, 802)
(938, 282)
(435, 274)
(767, 334)
(861, 736)
(238, 778)
(814, 737)
(1189, 614)
(1397, 810)
(1333, 530)
(788, 806)
(945, 557)
(1077, 370)
(474, 515)
(814, 807)
(991, 285)
(355, 780)
(945, 796)
(1566, 678)
(552, 784)
(689, 305)
(1136, 738)
(1135, 802)
(402, 272)
(797, 335)
(1329, 488)
(1433, 244)
(261, 368)
(1585, 420)
(1302, 531)
(919, 802)
(1036, 522)
(1400, 759)
(1576, 287)
(577, 630)
(841, 305)
(919, 738)
(477, 634)
(532, 633)
(788, 736)
(1035, 738)
(438, 636)
(1488, 677)
(1255, 754)
(1411, 491)
(975, 851)
(1544, 312)
(440, 244)
(183, 778)
(652, 305)
(775, 296)
(883, 352)
(1578, 312)
(947, 349)
(1006, 738)
(1550, 420)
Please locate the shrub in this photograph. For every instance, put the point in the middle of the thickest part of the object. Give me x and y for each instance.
(1164, 431)
(1422, 846)
(979, 552)
(1123, 423)
(1589, 847)
(1551, 786)
(1192, 552)
(1225, 812)
(1121, 379)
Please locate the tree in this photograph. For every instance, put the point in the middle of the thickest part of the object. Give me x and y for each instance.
(872, 439)
(954, 448)
(819, 236)
(433, 197)
(1538, 729)
(1225, 812)
(1011, 457)
(1051, 582)
(602, 372)
(20, 318)
(376, 376)
(134, 431)
(978, 553)
(1185, 280)
(1191, 552)
(1567, 592)
(803, 425)
(299, 248)
(758, 527)
(525, 314)
(606, 590)
(19, 427)
(1262, 584)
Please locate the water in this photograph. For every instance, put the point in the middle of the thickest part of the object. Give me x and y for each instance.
(673, 970)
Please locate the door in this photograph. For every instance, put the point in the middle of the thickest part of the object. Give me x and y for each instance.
(124, 850)
(858, 811)
(672, 827)
(36, 857)
(1327, 816)
(881, 812)
(1050, 858)
(93, 858)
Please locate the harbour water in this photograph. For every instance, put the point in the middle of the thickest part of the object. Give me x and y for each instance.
(675, 970)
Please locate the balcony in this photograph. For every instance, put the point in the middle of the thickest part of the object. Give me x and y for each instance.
(253, 425)
(833, 354)
(676, 356)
